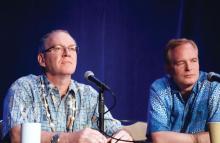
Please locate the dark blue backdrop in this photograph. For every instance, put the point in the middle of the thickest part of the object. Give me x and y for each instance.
(121, 41)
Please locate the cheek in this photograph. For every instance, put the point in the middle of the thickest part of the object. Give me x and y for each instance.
(53, 60)
(197, 66)
(178, 71)
(74, 59)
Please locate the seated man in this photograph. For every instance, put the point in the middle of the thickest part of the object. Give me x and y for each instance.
(66, 109)
(184, 101)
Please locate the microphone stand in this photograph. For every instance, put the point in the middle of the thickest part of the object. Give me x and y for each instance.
(101, 110)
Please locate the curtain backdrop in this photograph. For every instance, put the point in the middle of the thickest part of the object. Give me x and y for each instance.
(121, 41)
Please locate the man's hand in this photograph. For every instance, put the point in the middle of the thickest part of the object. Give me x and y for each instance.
(122, 135)
(88, 135)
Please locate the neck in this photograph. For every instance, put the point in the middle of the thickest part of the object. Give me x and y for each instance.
(62, 82)
(185, 91)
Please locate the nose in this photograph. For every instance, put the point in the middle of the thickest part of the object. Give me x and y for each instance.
(66, 52)
(188, 66)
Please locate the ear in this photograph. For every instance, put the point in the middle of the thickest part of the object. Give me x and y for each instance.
(41, 60)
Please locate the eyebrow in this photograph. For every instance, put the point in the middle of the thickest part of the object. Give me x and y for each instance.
(182, 60)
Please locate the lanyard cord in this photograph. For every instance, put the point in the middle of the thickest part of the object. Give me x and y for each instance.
(71, 105)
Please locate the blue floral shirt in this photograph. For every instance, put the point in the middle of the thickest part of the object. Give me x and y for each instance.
(168, 111)
(24, 103)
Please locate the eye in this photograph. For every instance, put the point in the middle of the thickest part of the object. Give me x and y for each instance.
(180, 63)
(195, 60)
(71, 48)
(57, 48)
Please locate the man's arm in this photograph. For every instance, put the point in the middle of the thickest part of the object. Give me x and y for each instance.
(175, 137)
(86, 135)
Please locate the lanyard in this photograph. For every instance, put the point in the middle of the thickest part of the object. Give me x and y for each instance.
(71, 109)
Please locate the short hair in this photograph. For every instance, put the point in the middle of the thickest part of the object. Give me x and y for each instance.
(174, 43)
(41, 47)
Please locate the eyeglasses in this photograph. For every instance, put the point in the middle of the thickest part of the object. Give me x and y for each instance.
(61, 49)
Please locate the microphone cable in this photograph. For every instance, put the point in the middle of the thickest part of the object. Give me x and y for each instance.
(114, 102)
(118, 139)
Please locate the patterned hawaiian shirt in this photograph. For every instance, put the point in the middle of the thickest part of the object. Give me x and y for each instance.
(24, 102)
(168, 111)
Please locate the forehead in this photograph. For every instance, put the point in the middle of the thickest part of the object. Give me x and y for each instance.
(59, 37)
(184, 51)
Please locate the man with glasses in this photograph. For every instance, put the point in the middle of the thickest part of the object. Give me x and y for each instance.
(66, 109)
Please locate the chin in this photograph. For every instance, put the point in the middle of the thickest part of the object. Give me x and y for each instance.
(67, 72)
(190, 82)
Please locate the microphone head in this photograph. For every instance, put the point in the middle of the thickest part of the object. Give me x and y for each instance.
(210, 75)
(87, 74)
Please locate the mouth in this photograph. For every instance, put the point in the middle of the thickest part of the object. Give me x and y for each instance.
(189, 75)
(66, 62)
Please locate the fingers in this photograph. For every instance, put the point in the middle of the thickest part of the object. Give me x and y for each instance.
(91, 136)
(121, 135)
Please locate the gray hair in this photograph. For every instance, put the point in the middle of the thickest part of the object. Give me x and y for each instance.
(41, 47)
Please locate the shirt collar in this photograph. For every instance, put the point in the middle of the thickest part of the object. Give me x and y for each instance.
(50, 87)
(73, 87)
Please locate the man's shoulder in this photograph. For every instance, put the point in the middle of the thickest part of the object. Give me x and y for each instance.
(79, 85)
(22, 88)
(202, 76)
(83, 88)
(162, 82)
(27, 77)
(27, 80)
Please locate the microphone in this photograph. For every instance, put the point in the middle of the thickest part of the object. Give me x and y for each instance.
(89, 75)
(213, 77)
